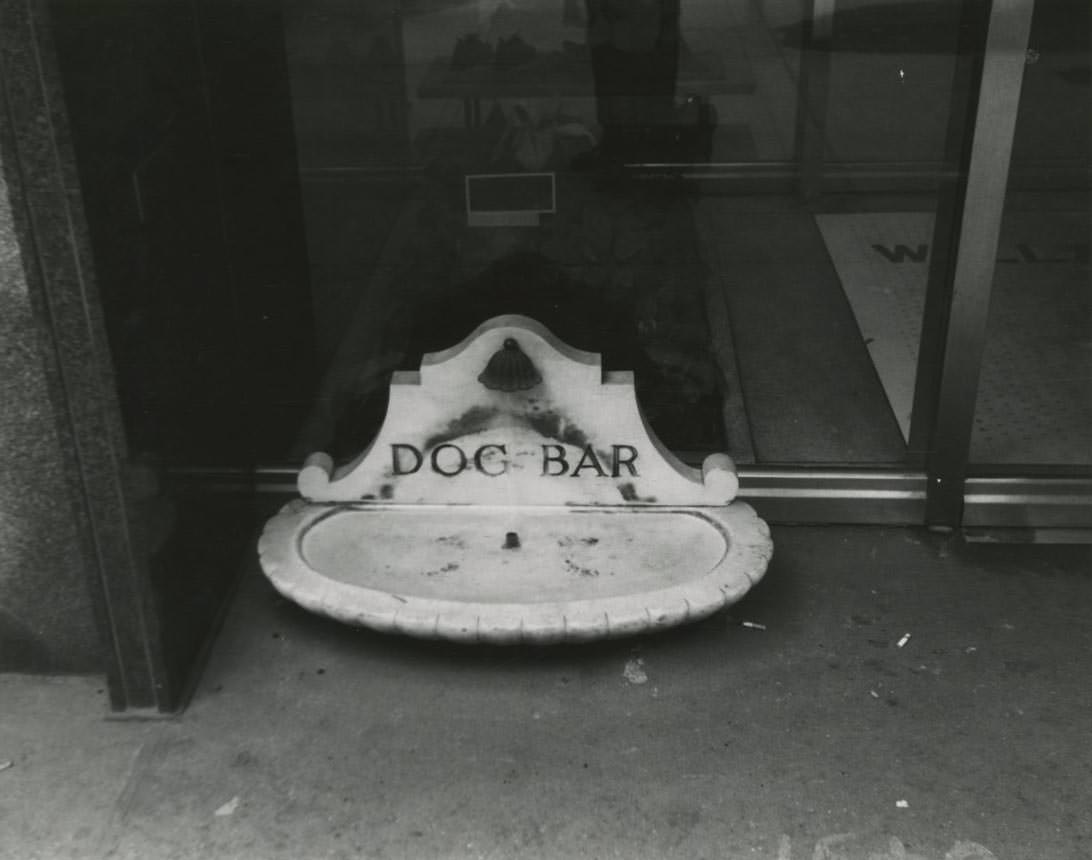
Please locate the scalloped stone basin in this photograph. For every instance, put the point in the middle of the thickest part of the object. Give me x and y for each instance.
(525, 574)
(488, 555)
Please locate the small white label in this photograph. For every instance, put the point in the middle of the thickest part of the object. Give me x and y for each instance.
(509, 199)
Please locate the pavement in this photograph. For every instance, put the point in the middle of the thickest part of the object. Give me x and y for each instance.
(884, 694)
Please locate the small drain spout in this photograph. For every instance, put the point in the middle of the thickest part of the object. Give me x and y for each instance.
(511, 540)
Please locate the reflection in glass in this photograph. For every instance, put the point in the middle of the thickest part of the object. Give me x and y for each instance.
(1034, 401)
(734, 199)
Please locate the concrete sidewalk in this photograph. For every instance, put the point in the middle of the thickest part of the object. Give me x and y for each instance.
(813, 735)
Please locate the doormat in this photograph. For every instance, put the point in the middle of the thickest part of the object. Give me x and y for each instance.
(882, 261)
(1035, 396)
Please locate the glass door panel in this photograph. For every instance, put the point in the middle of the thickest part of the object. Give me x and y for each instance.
(1034, 404)
(735, 199)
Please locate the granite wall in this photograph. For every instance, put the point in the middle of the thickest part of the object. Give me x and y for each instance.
(154, 323)
(46, 618)
(46, 622)
(75, 594)
(181, 125)
(154, 310)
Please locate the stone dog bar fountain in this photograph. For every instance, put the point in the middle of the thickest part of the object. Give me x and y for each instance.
(515, 494)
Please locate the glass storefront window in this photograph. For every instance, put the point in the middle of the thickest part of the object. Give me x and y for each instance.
(733, 199)
(739, 200)
(756, 205)
(1034, 403)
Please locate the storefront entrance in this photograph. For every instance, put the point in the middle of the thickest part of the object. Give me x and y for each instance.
(844, 242)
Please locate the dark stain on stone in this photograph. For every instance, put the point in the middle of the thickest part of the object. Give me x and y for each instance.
(471, 421)
(386, 492)
(629, 493)
(567, 541)
(552, 425)
(573, 567)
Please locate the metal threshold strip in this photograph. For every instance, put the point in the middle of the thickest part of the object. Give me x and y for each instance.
(810, 495)
(1028, 502)
(813, 495)
(889, 497)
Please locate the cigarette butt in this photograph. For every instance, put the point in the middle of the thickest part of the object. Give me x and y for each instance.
(902, 804)
(4, 765)
(873, 694)
(904, 640)
(754, 626)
